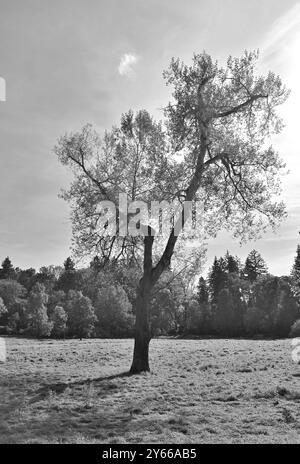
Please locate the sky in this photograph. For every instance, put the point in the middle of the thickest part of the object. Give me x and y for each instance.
(69, 62)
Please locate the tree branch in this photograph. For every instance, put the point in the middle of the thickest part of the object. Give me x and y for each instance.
(240, 107)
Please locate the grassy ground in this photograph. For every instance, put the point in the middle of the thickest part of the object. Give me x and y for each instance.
(199, 391)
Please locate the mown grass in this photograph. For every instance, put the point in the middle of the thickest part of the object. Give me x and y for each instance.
(199, 391)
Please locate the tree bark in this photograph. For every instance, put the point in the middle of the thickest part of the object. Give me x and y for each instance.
(142, 339)
(140, 361)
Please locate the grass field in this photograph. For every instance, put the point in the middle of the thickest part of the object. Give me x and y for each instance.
(199, 391)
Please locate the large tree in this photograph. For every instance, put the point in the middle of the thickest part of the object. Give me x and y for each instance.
(7, 270)
(211, 148)
(255, 266)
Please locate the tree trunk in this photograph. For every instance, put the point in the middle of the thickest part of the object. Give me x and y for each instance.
(142, 339)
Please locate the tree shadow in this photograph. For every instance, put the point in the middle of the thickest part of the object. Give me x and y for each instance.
(60, 387)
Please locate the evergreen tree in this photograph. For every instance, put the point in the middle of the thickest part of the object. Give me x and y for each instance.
(296, 269)
(217, 278)
(287, 310)
(202, 292)
(204, 308)
(255, 266)
(229, 309)
(7, 270)
(232, 264)
(69, 265)
(68, 279)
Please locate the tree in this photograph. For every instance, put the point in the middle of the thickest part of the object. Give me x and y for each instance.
(7, 271)
(296, 267)
(47, 276)
(255, 266)
(295, 274)
(96, 264)
(287, 310)
(38, 321)
(232, 264)
(11, 293)
(68, 279)
(213, 149)
(230, 308)
(59, 319)
(3, 309)
(114, 312)
(81, 315)
(204, 307)
(27, 278)
(69, 264)
(13, 296)
(272, 307)
(217, 277)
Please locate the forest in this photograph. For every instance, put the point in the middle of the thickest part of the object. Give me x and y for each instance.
(235, 300)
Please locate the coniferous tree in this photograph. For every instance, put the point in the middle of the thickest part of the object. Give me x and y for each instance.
(69, 264)
(255, 266)
(202, 292)
(68, 279)
(296, 269)
(232, 264)
(204, 306)
(7, 271)
(217, 278)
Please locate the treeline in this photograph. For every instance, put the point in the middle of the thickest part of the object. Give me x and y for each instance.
(62, 301)
(238, 301)
(234, 301)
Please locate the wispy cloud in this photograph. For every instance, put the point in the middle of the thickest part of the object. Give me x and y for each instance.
(127, 63)
(282, 35)
(280, 50)
(2, 89)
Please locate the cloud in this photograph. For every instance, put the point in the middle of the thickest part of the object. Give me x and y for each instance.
(281, 43)
(283, 28)
(2, 89)
(126, 66)
(280, 51)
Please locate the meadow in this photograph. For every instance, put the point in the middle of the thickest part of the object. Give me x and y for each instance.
(199, 391)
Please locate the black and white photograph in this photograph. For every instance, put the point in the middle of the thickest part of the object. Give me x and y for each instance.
(149, 225)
